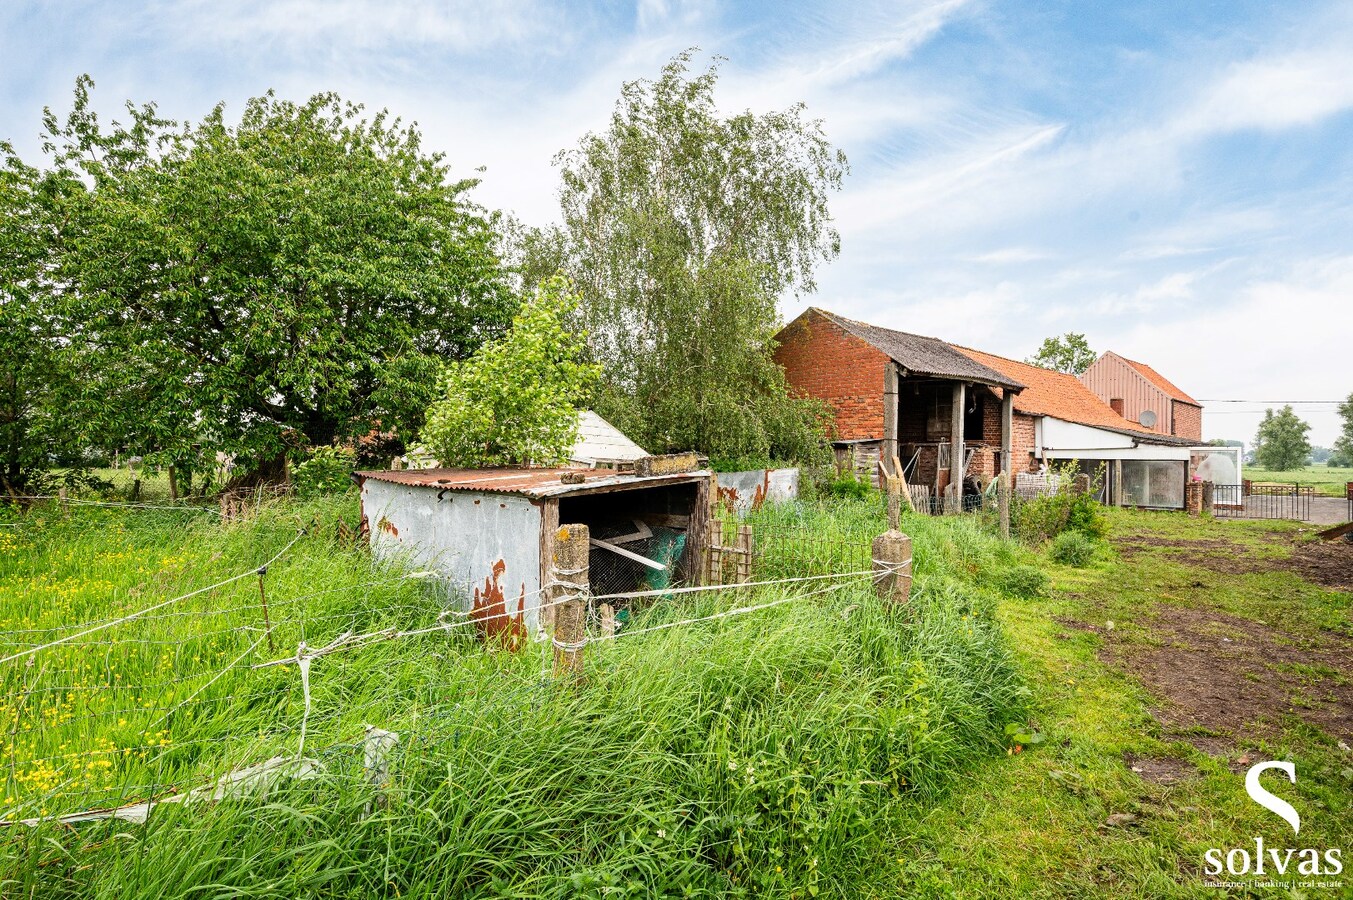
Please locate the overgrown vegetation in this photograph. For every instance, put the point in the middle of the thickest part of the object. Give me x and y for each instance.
(515, 400)
(327, 470)
(1072, 548)
(1043, 518)
(772, 754)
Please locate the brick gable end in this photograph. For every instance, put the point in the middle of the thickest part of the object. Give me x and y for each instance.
(824, 361)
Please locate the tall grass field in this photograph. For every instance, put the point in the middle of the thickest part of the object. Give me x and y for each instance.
(776, 753)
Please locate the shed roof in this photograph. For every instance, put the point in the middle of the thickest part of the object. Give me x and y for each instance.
(533, 483)
(600, 441)
(1062, 396)
(1159, 381)
(921, 355)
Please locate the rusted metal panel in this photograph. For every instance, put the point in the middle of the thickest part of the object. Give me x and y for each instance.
(486, 545)
(746, 491)
(533, 483)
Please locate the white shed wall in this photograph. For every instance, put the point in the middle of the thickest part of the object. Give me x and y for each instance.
(464, 536)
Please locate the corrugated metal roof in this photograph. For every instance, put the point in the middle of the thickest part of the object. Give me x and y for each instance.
(533, 483)
(600, 441)
(921, 355)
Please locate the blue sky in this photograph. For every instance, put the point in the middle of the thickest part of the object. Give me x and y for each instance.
(1173, 179)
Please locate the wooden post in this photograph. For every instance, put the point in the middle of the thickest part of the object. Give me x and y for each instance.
(895, 486)
(1007, 429)
(744, 554)
(903, 488)
(892, 567)
(607, 620)
(263, 598)
(956, 445)
(571, 543)
(1003, 503)
(1117, 482)
(65, 505)
(889, 448)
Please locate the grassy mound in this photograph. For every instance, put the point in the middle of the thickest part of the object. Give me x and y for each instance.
(767, 754)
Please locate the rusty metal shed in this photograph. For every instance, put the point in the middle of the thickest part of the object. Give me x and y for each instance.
(490, 532)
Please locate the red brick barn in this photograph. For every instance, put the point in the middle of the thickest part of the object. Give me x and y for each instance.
(931, 402)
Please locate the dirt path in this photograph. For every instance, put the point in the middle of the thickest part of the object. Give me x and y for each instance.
(1222, 678)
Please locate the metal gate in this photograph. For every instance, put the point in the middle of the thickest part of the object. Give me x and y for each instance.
(1262, 501)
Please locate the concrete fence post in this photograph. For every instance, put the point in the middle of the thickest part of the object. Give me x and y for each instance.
(1003, 504)
(1209, 498)
(892, 566)
(570, 577)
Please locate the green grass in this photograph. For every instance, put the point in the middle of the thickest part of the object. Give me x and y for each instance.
(1033, 824)
(770, 754)
(828, 747)
(1327, 481)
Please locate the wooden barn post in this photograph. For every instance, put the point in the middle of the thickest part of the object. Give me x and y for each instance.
(1003, 503)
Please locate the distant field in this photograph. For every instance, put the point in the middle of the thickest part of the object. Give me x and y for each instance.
(1326, 480)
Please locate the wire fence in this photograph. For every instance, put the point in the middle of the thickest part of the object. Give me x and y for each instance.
(184, 681)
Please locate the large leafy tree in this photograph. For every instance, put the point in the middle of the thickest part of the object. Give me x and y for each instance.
(1069, 353)
(37, 372)
(1343, 445)
(1280, 445)
(515, 401)
(296, 276)
(682, 228)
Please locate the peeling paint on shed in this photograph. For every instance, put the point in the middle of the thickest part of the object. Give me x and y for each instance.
(482, 548)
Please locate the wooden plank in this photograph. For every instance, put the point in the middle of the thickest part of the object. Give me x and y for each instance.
(666, 520)
(549, 524)
(694, 559)
(1337, 531)
(628, 554)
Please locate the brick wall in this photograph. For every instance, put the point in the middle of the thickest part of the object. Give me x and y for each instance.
(1188, 421)
(1022, 444)
(822, 360)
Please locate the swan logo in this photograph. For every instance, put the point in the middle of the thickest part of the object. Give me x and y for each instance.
(1274, 804)
(1274, 861)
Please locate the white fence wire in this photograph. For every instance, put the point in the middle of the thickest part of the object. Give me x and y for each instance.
(105, 715)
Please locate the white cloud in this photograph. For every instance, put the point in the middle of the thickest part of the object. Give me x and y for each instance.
(1009, 255)
(360, 24)
(1258, 348)
(1287, 90)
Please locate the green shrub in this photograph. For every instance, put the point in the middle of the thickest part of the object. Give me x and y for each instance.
(850, 486)
(1073, 548)
(1043, 518)
(327, 471)
(1027, 582)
